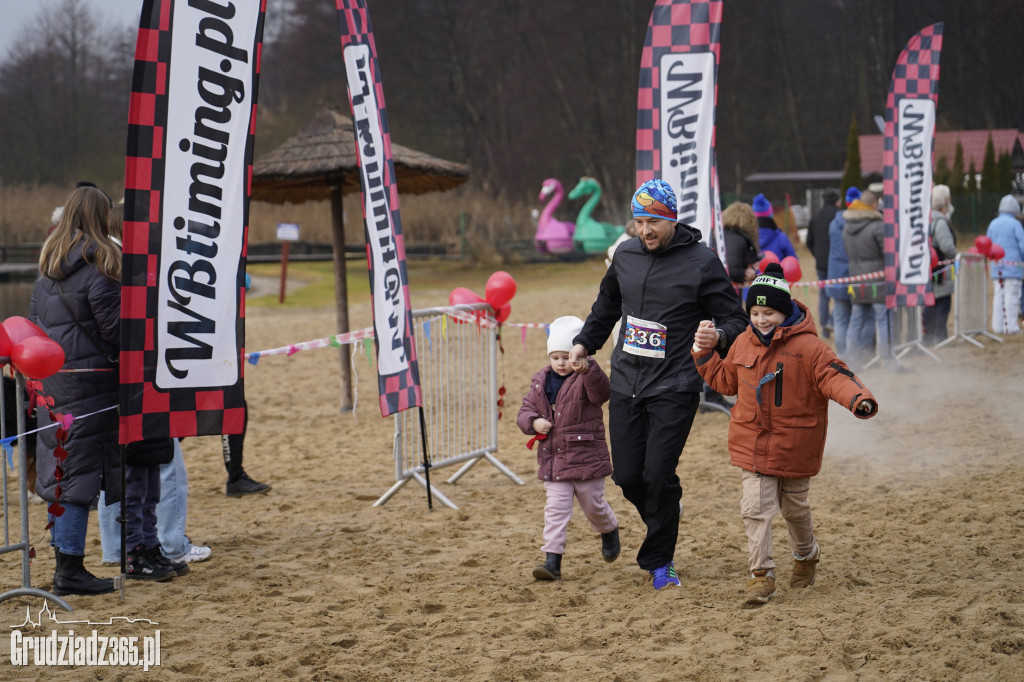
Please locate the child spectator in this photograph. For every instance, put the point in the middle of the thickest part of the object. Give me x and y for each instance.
(770, 237)
(784, 376)
(562, 410)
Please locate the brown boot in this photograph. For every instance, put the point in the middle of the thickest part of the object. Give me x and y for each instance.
(760, 587)
(803, 569)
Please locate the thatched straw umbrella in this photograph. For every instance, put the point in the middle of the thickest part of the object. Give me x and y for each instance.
(320, 164)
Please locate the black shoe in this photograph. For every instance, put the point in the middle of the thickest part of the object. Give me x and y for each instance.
(610, 546)
(180, 568)
(142, 567)
(551, 569)
(71, 577)
(243, 485)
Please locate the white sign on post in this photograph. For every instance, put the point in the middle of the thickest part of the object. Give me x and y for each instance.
(288, 232)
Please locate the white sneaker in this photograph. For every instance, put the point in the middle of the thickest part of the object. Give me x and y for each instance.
(197, 553)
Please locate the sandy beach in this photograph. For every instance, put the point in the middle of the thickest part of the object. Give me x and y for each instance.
(919, 514)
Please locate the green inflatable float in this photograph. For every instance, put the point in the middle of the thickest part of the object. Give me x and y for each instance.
(592, 236)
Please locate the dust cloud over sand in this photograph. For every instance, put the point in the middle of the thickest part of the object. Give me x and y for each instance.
(919, 514)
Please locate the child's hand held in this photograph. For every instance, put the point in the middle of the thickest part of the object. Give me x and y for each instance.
(706, 336)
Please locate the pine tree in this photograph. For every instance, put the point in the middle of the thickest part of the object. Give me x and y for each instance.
(1004, 172)
(942, 174)
(989, 170)
(957, 181)
(852, 176)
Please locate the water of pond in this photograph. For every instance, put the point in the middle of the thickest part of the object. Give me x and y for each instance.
(15, 297)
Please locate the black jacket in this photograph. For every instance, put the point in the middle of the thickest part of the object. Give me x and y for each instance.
(817, 235)
(740, 252)
(677, 286)
(93, 460)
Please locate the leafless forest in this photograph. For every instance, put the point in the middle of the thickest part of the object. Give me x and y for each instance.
(522, 90)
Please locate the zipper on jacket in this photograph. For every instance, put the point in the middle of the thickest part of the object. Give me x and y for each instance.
(643, 300)
(778, 385)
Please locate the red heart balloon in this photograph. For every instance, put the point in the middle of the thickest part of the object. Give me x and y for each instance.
(935, 257)
(996, 252)
(5, 345)
(791, 269)
(500, 289)
(464, 296)
(37, 357)
(983, 243)
(766, 259)
(20, 328)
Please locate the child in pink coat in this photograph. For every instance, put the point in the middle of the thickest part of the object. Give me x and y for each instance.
(562, 410)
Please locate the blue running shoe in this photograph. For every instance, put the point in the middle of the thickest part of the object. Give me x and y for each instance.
(665, 576)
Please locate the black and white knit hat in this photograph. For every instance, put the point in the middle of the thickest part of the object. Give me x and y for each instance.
(771, 289)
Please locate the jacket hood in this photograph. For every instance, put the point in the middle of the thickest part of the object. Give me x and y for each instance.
(75, 260)
(858, 219)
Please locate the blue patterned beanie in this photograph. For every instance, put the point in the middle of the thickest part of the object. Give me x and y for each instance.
(655, 199)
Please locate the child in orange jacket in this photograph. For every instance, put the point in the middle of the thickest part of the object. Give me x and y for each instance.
(783, 376)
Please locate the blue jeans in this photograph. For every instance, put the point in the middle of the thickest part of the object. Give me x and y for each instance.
(840, 324)
(869, 325)
(68, 532)
(171, 512)
(823, 316)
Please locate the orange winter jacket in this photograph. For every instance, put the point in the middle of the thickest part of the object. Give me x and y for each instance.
(783, 434)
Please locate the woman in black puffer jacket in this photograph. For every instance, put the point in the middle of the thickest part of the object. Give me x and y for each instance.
(77, 302)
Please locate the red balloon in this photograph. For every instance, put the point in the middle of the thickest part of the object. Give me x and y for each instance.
(501, 314)
(5, 346)
(996, 252)
(464, 296)
(935, 257)
(37, 357)
(500, 289)
(983, 243)
(768, 257)
(791, 269)
(20, 328)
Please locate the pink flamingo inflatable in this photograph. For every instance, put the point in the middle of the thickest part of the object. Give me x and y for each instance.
(553, 236)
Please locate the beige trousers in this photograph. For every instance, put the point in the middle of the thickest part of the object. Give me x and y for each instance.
(763, 498)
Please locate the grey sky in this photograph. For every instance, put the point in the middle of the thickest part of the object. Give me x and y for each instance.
(15, 16)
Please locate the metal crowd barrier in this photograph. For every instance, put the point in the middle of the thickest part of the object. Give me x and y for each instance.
(970, 313)
(459, 382)
(24, 546)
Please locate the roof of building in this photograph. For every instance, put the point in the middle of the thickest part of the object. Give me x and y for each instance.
(796, 176)
(973, 142)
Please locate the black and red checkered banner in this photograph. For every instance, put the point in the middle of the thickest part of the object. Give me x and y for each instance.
(191, 127)
(675, 129)
(907, 169)
(397, 370)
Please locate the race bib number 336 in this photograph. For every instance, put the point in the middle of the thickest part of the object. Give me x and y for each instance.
(644, 337)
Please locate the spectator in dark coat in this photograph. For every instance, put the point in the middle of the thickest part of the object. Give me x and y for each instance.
(740, 227)
(77, 302)
(818, 244)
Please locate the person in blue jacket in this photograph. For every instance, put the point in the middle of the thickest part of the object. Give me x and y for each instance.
(772, 238)
(838, 267)
(1006, 231)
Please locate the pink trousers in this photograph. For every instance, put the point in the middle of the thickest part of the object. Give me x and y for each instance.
(558, 510)
(763, 498)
